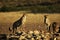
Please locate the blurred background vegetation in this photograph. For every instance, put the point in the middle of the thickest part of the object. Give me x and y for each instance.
(44, 6)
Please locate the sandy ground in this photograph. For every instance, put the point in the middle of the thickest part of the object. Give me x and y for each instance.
(33, 21)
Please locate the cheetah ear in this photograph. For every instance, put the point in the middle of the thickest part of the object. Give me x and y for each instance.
(24, 14)
(45, 15)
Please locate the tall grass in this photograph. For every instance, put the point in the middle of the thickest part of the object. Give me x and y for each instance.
(34, 9)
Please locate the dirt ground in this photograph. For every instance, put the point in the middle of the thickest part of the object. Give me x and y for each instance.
(33, 21)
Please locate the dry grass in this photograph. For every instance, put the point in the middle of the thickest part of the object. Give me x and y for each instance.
(32, 23)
